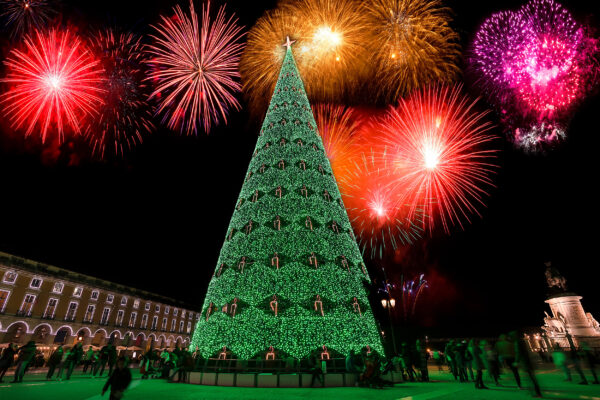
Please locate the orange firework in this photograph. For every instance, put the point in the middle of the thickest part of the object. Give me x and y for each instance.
(262, 57)
(411, 44)
(338, 127)
(329, 50)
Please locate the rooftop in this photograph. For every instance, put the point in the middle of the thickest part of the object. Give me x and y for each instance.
(12, 261)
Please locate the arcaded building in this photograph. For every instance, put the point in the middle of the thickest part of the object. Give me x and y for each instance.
(53, 306)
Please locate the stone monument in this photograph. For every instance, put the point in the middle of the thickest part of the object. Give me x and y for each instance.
(568, 315)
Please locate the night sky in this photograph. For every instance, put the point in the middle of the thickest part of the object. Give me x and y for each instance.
(156, 220)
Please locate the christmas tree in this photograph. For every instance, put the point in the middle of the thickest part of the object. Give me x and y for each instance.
(290, 274)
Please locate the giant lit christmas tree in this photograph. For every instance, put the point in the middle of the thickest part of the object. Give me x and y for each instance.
(290, 274)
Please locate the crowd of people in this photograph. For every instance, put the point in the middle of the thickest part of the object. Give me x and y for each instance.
(465, 360)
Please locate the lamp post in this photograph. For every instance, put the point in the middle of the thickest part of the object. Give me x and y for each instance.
(389, 303)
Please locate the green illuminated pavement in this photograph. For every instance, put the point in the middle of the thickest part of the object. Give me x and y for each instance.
(83, 387)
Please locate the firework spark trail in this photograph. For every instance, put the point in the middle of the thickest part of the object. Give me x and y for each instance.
(21, 16)
(338, 127)
(261, 61)
(411, 44)
(53, 82)
(330, 50)
(363, 179)
(196, 68)
(125, 115)
(437, 153)
(378, 218)
(411, 291)
(535, 64)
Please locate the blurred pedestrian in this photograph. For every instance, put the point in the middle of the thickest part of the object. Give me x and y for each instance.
(74, 358)
(118, 381)
(523, 359)
(575, 359)
(590, 360)
(422, 357)
(315, 370)
(490, 359)
(506, 354)
(53, 361)
(7, 359)
(560, 361)
(88, 359)
(477, 359)
(26, 354)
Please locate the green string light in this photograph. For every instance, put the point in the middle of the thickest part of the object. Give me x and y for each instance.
(289, 215)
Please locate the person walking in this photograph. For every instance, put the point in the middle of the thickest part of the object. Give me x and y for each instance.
(490, 359)
(506, 353)
(88, 359)
(523, 359)
(575, 359)
(53, 361)
(477, 359)
(26, 354)
(590, 359)
(118, 380)
(315, 370)
(108, 355)
(560, 361)
(74, 359)
(451, 357)
(459, 354)
(7, 359)
(422, 357)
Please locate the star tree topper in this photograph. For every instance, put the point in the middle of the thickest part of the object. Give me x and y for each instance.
(288, 42)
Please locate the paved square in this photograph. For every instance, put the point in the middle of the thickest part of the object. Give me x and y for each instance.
(82, 387)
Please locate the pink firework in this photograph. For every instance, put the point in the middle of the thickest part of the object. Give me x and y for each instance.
(195, 68)
(438, 151)
(53, 84)
(535, 64)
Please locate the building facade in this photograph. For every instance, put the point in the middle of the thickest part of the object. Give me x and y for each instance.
(53, 306)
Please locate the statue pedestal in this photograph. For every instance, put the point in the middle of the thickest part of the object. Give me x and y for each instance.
(568, 316)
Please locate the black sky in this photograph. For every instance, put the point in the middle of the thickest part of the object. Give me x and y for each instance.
(157, 219)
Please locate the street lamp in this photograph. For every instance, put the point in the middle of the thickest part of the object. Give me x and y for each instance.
(389, 303)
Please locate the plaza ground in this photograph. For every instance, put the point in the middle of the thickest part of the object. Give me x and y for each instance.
(443, 387)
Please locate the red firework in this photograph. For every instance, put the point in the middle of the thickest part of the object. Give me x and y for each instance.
(379, 220)
(437, 152)
(125, 115)
(53, 84)
(196, 68)
(338, 127)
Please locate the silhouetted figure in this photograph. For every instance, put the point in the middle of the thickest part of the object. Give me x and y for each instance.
(490, 358)
(575, 359)
(88, 359)
(590, 360)
(108, 355)
(26, 354)
(118, 381)
(74, 358)
(315, 370)
(477, 359)
(407, 362)
(451, 357)
(350, 363)
(54, 360)
(523, 360)
(459, 353)
(7, 359)
(560, 361)
(422, 356)
(506, 353)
